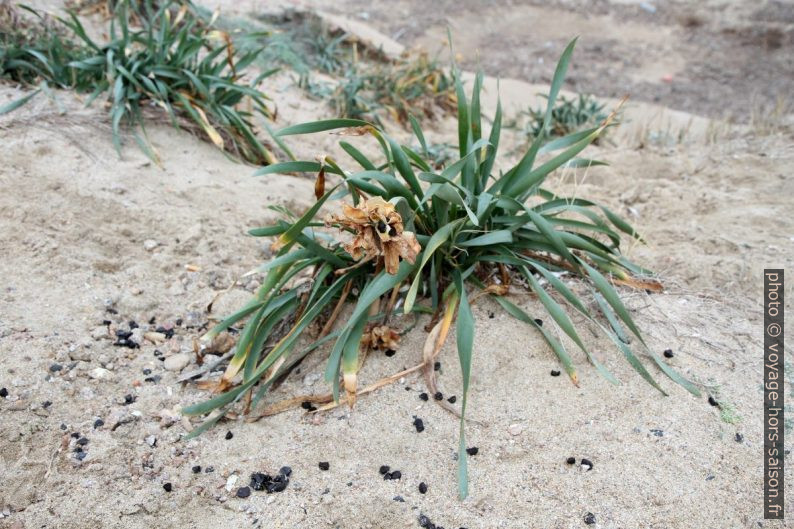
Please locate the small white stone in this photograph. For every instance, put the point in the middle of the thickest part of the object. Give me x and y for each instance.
(150, 244)
(515, 429)
(177, 362)
(100, 373)
(231, 481)
(100, 332)
(151, 440)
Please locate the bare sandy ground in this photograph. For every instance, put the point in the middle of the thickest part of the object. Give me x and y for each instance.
(83, 231)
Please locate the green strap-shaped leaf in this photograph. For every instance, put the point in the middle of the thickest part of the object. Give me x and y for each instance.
(322, 126)
(438, 238)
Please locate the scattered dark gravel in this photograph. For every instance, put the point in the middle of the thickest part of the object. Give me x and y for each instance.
(228, 435)
(438, 395)
(308, 406)
(196, 469)
(129, 399)
(714, 402)
(437, 366)
(571, 460)
(390, 352)
(399, 498)
(587, 463)
(657, 432)
(146, 371)
(167, 487)
(589, 518)
(324, 465)
(133, 324)
(539, 321)
(491, 315)
(99, 423)
(423, 488)
(243, 492)
(422, 395)
(738, 438)
(209, 470)
(285, 471)
(419, 424)
(668, 353)
(452, 399)
(82, 441)
(394, 474)
(473, 451)
(46, 404)
(54, 368)
(555, 372)
(4, 393)
(76, 435)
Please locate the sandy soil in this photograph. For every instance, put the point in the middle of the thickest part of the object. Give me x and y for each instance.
(87, 236)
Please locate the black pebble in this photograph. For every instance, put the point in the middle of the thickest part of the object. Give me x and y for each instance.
(152, 320)
(657, 432)
(76, 435)
(228, 435)
(63, 427)
(739, 437)
(390, 352)
(555, 373)
(424, 521)
(46, 404)
(452, 399)
(54, 368)
(80, 455)
(399, 498)
(147, 371)
(324, 465)
(276, 486)
(122, 334)
(396, 474)
(4, 393)
(129, 399)
(153, 379)
(713, 401)
(437, 366)
(209, 470)
(422, 396)
(419, 425)
(82, 441)
(668, 353)
(473, 451)
(285, 471)
(384, 469)
(589, 518)
(111, 310)
(106, 322)
(259, 481)
(438, 395)
(539, 321)
(491, 315)
(587, 463)
(99, 423)
(133, 324)
(243, 492)
(167, 487)
(422, 488)
(178, 322)
(306, 405)
(196, 469)
(571, 460)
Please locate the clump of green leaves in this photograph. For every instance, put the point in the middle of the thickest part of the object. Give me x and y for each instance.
(567, 116)
(173, 61)
(477, 229)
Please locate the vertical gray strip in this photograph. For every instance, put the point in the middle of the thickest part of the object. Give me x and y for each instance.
(773, 394)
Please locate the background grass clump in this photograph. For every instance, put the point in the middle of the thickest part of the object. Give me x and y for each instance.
(165, 60)
(358, 81)
(416, 238)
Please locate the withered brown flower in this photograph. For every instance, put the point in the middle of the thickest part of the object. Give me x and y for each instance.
(381, 337)
(378, 232)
